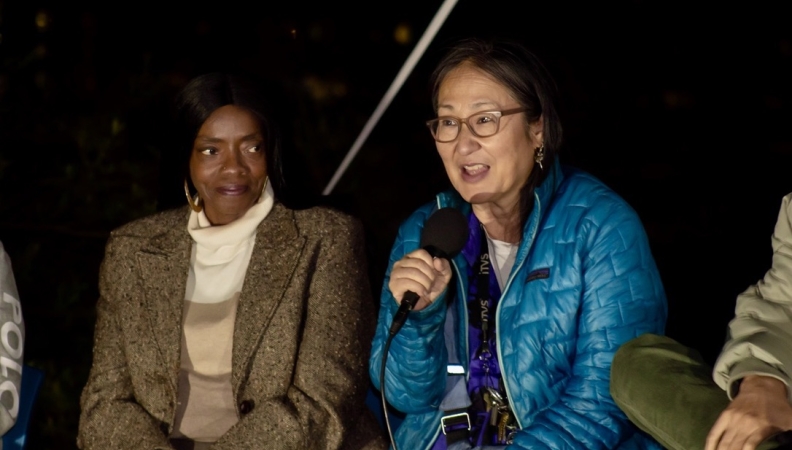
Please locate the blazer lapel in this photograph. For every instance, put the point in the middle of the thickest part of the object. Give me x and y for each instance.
(164, 264)
(275, 256)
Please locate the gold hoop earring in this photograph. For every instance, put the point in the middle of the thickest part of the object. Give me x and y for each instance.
(539, 156)
(195, 205)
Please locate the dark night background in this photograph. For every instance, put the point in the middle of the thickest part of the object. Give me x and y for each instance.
(683, 108)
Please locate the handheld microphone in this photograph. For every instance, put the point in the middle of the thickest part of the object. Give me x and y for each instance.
(444, 235)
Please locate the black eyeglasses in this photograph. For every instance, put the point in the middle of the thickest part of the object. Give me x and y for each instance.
(482, 124)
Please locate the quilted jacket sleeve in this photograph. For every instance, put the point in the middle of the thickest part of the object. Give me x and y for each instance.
(415, 368)
(622, 298)
(760, 334)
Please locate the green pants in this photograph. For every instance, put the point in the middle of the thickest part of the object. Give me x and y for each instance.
(666, 390)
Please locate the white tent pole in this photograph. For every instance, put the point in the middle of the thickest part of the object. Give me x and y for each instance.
(409, 65)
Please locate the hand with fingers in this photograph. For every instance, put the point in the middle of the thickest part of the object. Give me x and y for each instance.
(760, 410)
(420, 273)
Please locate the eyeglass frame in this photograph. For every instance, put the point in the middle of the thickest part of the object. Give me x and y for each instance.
(460, 121)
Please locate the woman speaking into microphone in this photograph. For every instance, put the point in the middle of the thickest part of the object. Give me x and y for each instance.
(510, 343)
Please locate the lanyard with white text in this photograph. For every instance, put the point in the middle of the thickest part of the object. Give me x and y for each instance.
(483, 269)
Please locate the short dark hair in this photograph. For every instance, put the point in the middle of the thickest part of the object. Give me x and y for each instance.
(204, 94)
(510, 63)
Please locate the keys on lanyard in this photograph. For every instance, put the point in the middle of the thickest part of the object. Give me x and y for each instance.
(496, 404)
(500, 414)
(503, 423)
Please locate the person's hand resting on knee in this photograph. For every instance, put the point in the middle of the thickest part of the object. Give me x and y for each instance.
(760, 410)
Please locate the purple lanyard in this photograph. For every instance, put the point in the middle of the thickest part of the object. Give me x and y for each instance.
(483, 295)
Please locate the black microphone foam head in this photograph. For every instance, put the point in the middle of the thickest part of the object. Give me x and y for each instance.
(445, 233)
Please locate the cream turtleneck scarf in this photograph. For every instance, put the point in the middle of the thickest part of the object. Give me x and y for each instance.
(219, 261)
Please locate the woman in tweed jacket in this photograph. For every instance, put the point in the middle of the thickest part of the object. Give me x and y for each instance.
(236, 322)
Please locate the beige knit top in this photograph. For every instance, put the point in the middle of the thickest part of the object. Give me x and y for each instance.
(220, 255)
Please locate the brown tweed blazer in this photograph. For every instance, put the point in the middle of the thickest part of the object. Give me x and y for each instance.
(301, 338)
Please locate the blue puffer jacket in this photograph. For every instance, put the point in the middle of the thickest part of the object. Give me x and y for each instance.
(583, 283)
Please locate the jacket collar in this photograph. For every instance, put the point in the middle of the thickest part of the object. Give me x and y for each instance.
(163, 264)
(275, 257)
(543, 197)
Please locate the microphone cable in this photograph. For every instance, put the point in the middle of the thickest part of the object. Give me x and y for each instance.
(382, 388)
(407, 304)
